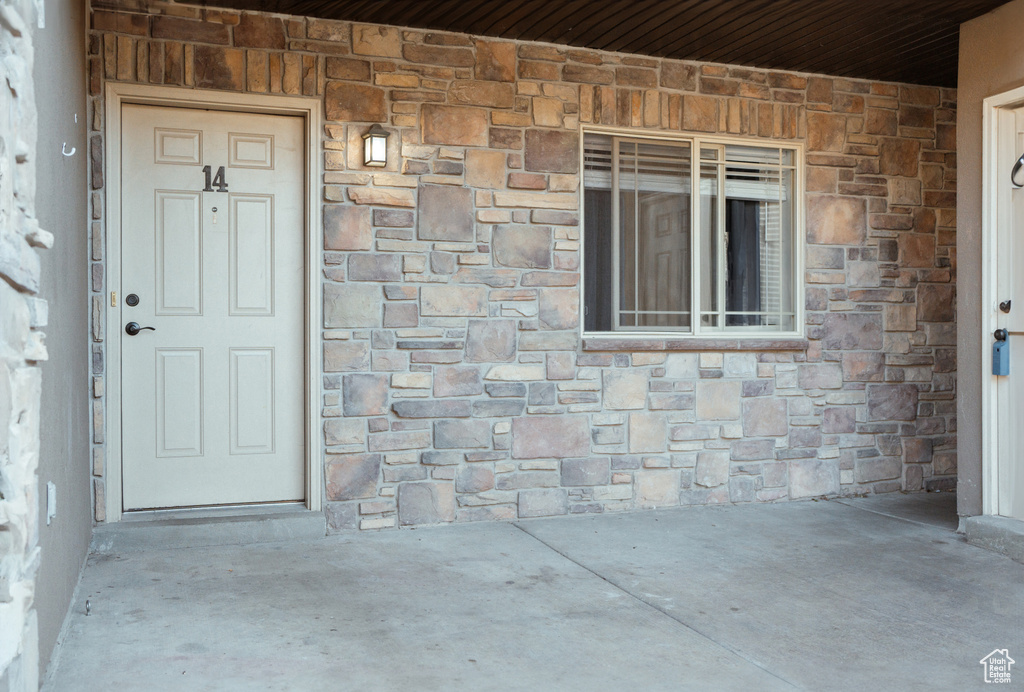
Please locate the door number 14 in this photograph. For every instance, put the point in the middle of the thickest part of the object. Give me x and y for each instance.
(218, 180)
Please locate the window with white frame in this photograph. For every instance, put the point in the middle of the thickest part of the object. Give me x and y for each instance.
(686, 243)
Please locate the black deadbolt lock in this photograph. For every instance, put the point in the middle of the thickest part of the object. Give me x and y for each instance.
(132, 300)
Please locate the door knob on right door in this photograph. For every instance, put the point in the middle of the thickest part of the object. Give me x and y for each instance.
(133, 328)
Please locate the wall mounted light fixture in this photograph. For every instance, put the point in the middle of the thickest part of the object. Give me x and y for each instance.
(375, 147)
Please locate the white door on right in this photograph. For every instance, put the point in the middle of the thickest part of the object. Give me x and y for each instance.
(1010, 295)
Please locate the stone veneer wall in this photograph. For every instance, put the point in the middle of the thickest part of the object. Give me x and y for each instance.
(456, 386)
(21, 348)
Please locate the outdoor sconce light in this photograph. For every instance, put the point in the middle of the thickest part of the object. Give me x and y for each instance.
(375, 147)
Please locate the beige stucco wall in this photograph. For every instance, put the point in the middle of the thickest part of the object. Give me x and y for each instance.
(21, 351)
(991, 62)
(62, 208)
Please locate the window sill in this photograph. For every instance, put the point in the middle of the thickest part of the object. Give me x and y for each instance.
(593, 343)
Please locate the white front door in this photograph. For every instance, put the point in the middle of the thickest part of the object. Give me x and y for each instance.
(212, 237)
(1009, 220)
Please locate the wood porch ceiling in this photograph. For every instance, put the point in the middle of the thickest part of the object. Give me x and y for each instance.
(913, 41)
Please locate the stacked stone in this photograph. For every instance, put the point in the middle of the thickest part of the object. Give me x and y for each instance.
(22, 314)
(895, 288)
(456, 386)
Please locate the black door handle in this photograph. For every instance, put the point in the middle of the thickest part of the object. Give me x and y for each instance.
(1000, 334)
(133, 328)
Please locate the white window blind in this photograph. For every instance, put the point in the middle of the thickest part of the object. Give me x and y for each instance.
(640, 192)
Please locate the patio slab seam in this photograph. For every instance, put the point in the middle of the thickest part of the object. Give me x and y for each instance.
(889, 515)
(651, 605)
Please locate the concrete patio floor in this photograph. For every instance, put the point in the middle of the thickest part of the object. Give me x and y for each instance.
(868, 594)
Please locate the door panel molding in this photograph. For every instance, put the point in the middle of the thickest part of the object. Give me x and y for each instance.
(252, 386)
(251, 293)
(182, 248)
(176, 146)
(117, 95)
(179, 386)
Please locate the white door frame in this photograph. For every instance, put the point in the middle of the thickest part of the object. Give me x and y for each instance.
(309, 110)
(992, 172)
